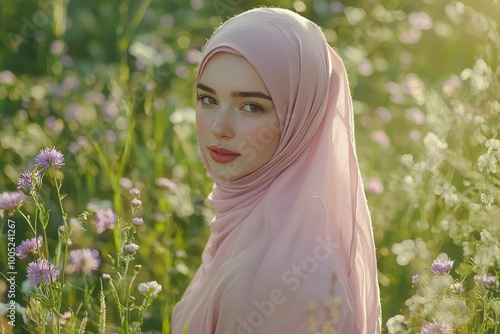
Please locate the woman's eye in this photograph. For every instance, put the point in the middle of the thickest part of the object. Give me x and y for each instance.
(253, 108)
(207, 100)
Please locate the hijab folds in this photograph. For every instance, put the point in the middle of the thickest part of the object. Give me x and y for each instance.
(291, 248)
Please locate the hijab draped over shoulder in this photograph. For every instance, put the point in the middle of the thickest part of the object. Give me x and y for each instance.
(291, 247)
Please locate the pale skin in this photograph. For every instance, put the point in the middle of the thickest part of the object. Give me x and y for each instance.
(237, 123)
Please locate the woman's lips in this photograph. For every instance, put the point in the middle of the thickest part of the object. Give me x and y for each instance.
(222, 155)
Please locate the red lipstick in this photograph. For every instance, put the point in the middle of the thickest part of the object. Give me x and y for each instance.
(222, 155)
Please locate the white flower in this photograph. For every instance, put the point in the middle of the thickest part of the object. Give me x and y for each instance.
(407, 159)
(395, 324)
(488, 162)
(434, 144)
(150, 289)
(447, 192)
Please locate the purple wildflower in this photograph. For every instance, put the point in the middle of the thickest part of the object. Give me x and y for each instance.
(28, 181)
(414, 280)
(49, 157)
(105, 220)
(85, 260)
(136, 202)
(441, 267)
(11, 201)
(135, 192)
(437, 328)
(41, 271)
(137, 221)
(29, 246)
(131, 248)
(485, 280)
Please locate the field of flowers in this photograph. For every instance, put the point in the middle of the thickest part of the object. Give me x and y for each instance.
(103, 213)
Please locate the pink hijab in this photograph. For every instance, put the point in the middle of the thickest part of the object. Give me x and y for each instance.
(291, 247)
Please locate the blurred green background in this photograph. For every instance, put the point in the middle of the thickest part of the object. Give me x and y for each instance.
(111, 85)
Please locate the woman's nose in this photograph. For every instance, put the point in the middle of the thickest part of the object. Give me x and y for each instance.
(223, 124)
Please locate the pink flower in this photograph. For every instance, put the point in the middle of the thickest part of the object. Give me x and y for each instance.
(381, 138)
(420, 20)
(415, 115)
(105, 220)
(135, 192)
(384, 114)
(65, 318)
(85, 260)
(164, 182)
(375, 186)
(137, 221)
(136, 202)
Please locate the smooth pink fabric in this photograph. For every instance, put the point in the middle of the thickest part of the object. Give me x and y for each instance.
(296, 232)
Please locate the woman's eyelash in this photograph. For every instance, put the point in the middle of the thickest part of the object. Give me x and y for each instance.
(259, 106)
(201, 96)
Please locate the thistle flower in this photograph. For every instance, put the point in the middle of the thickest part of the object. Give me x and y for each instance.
(485, 280)
(137, 221)
(85, 260)
(437, 328)
(442, 266)
(105, 220)
(41, 271)
(49, 157)
(131, 248)
(11, 201)
(28, 181)
(29, 246)
(150, 289)
(106, 277)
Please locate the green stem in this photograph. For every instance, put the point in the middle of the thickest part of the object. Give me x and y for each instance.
(27, 220)
(65, 234)
(126, 298)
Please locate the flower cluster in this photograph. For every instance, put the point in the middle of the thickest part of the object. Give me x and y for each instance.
(52, 273)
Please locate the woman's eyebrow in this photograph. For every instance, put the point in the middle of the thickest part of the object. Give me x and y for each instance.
(252, 94)
(256, 94)
(205, 88)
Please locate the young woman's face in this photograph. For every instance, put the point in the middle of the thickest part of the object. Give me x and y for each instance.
(237, 122)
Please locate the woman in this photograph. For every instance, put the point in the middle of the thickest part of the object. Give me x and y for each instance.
(291, 249)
